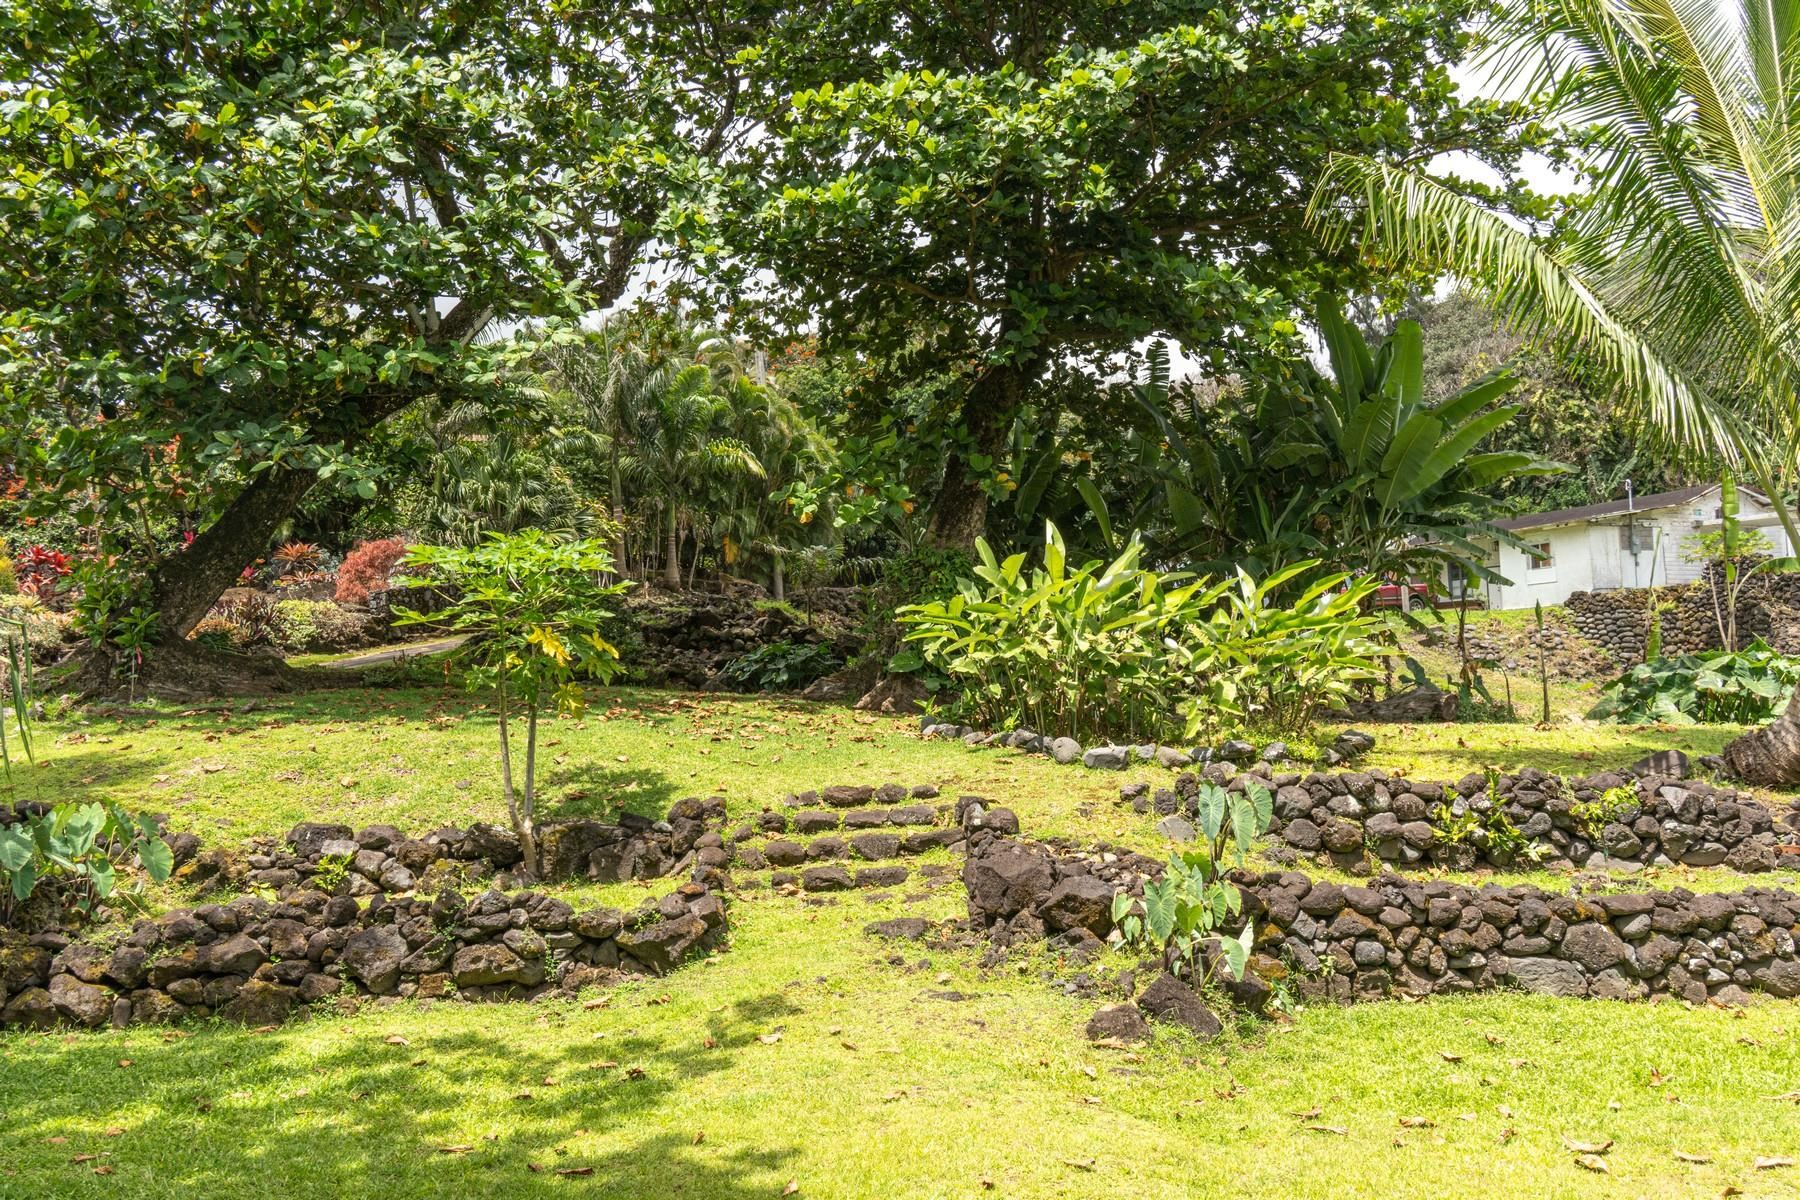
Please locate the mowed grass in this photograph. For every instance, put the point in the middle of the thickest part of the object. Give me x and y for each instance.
(814, 1054)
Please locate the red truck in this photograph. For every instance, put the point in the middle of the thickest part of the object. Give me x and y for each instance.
(1417, 595)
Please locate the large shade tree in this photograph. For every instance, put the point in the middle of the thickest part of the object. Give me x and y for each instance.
(993, 188)
(1677, 280)
(241, 236)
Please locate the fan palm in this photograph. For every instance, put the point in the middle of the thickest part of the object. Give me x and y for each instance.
(1677, 282)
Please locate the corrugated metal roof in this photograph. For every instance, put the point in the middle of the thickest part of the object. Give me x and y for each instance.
(1611, 508)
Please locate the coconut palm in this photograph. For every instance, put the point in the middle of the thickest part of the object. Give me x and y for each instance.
(1677, 281)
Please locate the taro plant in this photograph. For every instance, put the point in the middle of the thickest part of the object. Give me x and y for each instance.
(1184, 915)
(81, 847)
(531, 608)
(1719, 687)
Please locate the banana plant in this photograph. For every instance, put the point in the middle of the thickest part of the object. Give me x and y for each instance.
(1405, 479)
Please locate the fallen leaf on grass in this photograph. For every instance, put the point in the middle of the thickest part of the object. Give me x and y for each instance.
(103, 1170)
(1338, 1130)
(394, 1039)
(793, 1186)
(115, 1131)
(1450, 1056)
(602, 1002)
(1587, 1147)
(699, 1136)
(1080, 1164)
(576, 1171)
(83, 1158)
(634, 1072)
(1593, 1162)
(769, 1039)
(1417, 1123)
(1770, 1163)
(1793, 1096)
(125, 1062)
(1309, 1114)
(457, 1149)
(1494, 1039)
(848, 1045)
(1684, 1156)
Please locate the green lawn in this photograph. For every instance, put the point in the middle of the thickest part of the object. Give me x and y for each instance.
(878, 1085)
(879, 1088)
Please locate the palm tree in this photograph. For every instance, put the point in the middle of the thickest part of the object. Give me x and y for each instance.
(754, 515)
(682, 446)
(1678, 281)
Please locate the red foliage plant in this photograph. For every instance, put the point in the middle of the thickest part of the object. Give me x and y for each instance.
(42, 571)
(366, 569)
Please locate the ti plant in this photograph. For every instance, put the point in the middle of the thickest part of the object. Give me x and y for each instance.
(82, 845)
(15, 693)
(1183, 915)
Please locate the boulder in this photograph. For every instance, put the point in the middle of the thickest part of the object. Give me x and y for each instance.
(489, 964)
(1106, 758)
(661, 947)
(82, 1003)
(260, 1002)
(1004, 879)
(1065, 750)
(1170, 999)
(1118, 1023)
(1547, 976)
(374, 955)
(1079, 902)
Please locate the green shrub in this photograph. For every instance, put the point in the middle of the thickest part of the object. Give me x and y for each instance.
(315, 626)
(1743, 687)
(916, 577)
(781, 666)
(1114, 650)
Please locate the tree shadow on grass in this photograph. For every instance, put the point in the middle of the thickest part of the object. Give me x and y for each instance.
(526, 1106)
(590, 789)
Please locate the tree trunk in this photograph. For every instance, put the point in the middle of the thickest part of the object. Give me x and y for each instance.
(189, 583)
(960, 514)
(1770, 756)
(618, 517)
(780, 580)
(672, 553)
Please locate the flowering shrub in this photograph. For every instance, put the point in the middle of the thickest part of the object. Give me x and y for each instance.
(220, 633)
(367, 569)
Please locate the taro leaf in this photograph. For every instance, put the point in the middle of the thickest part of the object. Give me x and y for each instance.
(1243, 822)
(157, 858)
(1212, 811)
(1263, 804)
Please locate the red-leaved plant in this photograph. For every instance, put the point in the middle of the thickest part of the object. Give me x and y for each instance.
(366, 569)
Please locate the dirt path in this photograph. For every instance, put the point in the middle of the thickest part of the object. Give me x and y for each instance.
(396, 654)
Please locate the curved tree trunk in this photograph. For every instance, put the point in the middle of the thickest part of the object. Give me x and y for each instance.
(189, 583)
(1769, 756)
(959, 515)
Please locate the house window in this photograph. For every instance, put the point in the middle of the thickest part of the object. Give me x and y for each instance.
(1541, 559)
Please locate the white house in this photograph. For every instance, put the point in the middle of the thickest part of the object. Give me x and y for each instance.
(1637, 542)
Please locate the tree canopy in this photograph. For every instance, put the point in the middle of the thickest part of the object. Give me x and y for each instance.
(997, 187)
